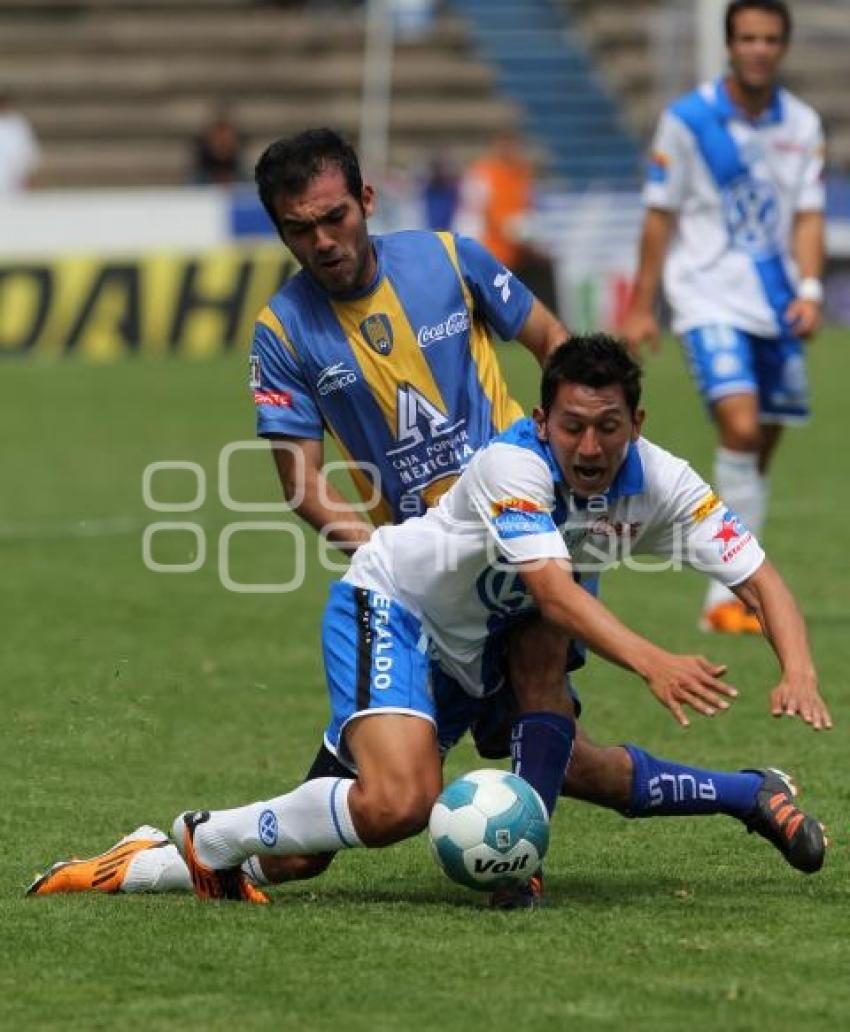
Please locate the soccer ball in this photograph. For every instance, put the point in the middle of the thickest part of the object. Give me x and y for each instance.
(489, 829)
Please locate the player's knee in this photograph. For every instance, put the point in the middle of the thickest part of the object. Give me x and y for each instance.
(280, 869)
(388, 814)
(740, 433)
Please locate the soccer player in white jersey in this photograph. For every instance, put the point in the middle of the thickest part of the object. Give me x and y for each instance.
(532, 507)
(734, 219)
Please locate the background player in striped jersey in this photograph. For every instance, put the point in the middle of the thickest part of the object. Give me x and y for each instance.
(734, 217)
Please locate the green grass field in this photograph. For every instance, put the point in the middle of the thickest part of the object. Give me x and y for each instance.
(128, 696)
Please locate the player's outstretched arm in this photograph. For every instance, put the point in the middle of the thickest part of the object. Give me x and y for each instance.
(299, 463)
(676, 681)
(640, 325)
(542, 332)
(797, 692)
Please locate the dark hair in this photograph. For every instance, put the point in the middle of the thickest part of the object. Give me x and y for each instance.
(592, 360)
(777, 7)
(288, 165)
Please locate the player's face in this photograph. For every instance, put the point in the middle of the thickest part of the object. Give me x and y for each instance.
(756, 49)
(589, 430)
(325, 228)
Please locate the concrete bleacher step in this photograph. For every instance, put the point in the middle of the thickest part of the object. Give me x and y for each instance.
(222, 32)
(159, 78)
(117, 89)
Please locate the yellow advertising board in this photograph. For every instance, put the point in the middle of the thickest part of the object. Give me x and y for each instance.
(104, 308)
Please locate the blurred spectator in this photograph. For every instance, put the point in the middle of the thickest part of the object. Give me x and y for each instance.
(218, 152)
(440, 195)
(496, 196)
(19, 151)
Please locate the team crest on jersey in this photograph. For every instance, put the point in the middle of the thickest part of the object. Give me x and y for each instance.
(378, 333)
(751, 210)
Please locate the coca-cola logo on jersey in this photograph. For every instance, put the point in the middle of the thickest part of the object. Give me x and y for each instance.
(457, 322)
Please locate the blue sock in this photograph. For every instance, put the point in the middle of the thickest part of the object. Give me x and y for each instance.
(541, 745)
(664, 789)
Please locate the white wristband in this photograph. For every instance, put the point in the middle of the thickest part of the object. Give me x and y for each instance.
(810, 289)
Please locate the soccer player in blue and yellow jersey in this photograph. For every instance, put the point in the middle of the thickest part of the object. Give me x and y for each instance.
(384, 342)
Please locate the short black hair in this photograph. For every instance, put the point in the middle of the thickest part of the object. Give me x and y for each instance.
(289, 164)
(777, 7)
(592, 360)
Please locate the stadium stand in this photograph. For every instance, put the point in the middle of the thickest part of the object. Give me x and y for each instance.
(547, 70)
(116, 89)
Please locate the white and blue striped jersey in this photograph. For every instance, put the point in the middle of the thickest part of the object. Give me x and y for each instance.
(455, 567)
(736, 185)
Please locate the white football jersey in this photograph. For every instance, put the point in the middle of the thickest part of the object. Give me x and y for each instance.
(455, 568)
(736, 185)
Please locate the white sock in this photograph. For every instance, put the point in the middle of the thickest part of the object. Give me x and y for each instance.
(253, 871)
(744, 490)
(313, 818)
(160, 869)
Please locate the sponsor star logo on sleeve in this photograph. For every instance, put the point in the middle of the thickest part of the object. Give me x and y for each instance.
(728, 531)
(732, 536)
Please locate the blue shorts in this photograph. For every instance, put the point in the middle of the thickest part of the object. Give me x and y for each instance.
(375, 655)
(488, 718)
(376, 660)
(725, 361)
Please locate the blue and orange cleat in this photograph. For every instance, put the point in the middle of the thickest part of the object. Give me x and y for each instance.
(209, 883)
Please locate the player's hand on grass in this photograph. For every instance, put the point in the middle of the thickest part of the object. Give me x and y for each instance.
(793, 697)
(640, 327)
(679, 681)
(803, 316)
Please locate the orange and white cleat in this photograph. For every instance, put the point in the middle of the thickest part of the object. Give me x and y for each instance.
(208, 882)
(730, 618)
(102, 873)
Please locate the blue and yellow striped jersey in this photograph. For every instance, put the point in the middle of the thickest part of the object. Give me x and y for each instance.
(402, 374)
